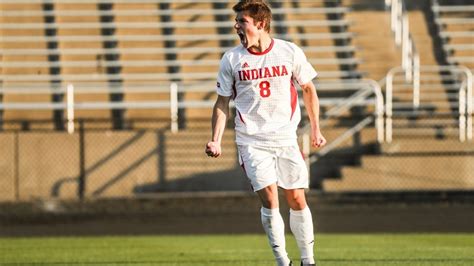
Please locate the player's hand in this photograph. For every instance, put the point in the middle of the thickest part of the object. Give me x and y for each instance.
(317, 139)
(213, 149)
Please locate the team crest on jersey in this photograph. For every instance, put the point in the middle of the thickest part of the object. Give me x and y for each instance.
(245, 65)
(264, 72)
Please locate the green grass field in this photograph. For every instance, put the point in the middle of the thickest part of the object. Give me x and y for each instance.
(331, 249)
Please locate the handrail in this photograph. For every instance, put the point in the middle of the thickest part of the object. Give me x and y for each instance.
(465, 99)
(401, 28)
(86, 105)
(170, 90)
(85, 88)
(344, 136)
(70, 108)
(365, 85)
(98, 77)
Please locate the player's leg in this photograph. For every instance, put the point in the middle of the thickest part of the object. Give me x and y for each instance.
(273, 223)
(301, 224)
(259, 165)
(293, 178)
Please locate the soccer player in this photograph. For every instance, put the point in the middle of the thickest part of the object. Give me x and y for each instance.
(259, 75)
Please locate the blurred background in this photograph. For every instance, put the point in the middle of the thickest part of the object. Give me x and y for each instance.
(105, 110)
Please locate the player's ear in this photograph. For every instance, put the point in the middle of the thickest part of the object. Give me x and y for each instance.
(260, 25)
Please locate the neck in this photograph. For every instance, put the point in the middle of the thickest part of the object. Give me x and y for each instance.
(262, 44)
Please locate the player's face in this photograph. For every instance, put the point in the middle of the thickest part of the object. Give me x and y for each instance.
(247, 29)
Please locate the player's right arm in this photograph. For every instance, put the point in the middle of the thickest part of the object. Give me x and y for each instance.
(220, 113)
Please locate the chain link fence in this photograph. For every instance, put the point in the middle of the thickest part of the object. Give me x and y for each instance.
(94, 163)
(97, 163)
(418, 163)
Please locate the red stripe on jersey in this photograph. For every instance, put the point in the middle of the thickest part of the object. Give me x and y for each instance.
(264, 52)
(294, 98)
(234, 90)
(241, 118)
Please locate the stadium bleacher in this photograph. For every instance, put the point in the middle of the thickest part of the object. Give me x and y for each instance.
(122, 57)
(456, 29)
(149, 42)
(437, 118)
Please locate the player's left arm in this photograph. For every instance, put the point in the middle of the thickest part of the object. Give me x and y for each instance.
(311, 102)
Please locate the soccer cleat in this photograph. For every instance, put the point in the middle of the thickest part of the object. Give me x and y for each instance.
(307, 264)
(291, 263)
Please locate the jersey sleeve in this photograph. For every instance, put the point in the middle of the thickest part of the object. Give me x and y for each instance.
(225, 78)
(303, 71)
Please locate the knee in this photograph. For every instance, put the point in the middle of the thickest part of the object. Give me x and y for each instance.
(270, 202)
(296, 201)
(269, 196)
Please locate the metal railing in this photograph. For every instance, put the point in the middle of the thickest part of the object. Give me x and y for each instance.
(171, 101)
(401, 28)
(363, 89)
(78, 89)
(465, 100)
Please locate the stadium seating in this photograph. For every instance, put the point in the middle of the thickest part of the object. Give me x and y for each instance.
(456, 30)
(425, 151)
(127, 53)
(123, 44)
(12, 38)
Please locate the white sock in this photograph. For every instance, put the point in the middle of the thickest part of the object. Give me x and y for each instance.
(275, 228)
(301, 224)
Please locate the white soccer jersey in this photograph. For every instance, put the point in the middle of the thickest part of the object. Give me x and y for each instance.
(262, 86)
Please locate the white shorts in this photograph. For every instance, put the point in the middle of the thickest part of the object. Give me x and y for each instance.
(264, 166)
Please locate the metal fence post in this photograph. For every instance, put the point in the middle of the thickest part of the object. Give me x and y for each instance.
(416, 80)
(70, 108)
(16, 136)
(82, 161)
(174, 106)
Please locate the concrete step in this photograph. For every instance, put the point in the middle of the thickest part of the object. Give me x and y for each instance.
(185, 156)
(426, 123)
(423, 41)
(406, 173)
(426, 133)
(443, 146)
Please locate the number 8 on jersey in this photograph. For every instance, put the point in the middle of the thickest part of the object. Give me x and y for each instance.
(265, 89)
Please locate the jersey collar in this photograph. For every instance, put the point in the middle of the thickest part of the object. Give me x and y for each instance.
(264, 52)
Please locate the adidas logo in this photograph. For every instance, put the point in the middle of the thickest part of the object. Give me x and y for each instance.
(245, 65)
